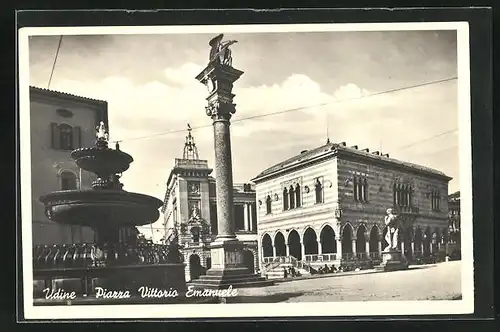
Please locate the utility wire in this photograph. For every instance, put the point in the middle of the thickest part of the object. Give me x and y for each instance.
(426, 139)
(55, 60)
(298, 108)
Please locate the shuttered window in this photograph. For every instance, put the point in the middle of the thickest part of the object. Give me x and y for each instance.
(65, 137)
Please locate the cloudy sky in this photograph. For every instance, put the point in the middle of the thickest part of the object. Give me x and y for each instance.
(148, 81)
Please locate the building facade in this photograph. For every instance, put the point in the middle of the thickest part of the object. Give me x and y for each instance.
(60, 123)
(328, 204)
(190, 212)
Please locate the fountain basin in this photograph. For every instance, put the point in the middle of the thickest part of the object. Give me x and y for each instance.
(98, 208)
(102, 160)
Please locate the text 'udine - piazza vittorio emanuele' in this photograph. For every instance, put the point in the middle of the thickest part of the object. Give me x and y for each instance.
(145, 292)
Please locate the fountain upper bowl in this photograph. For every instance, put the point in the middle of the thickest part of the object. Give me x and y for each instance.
(101, 208)
(102, 160)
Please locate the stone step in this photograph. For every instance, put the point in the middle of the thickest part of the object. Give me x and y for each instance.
(261, 282)
(212, 280)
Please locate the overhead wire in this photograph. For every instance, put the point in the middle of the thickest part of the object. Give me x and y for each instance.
(55, 61)
(295, 109)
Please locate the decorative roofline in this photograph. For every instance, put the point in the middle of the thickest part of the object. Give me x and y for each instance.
(100, 106)
(339, 150)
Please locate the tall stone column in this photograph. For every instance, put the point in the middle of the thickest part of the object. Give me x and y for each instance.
(226, 251)
(320, 251)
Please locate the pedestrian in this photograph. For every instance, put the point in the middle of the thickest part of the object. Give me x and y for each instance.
(285, 273)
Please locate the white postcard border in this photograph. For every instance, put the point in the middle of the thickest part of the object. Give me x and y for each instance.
(463, 306)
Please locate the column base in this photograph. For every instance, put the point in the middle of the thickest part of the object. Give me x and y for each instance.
(393, 261)
(228, 268)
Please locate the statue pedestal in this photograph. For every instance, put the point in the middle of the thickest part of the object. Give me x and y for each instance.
(228, 269)
(392, 261)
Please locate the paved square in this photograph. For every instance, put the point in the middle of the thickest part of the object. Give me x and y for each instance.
(426, 282)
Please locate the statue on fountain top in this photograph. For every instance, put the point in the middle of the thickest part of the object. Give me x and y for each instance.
(102, 133)
(220, 51)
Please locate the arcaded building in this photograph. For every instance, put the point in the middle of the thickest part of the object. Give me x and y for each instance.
(60, 123)
(328, 204)
(190, 211)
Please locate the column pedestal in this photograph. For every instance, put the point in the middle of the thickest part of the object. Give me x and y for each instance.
(228, 269)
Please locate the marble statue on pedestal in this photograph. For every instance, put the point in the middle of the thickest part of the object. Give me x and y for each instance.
(392, 235)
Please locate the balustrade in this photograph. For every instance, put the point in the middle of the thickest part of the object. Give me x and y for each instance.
(90, 256)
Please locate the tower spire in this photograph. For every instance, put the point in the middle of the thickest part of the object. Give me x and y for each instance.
(190, 149)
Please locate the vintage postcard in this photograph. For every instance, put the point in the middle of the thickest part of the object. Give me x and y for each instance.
(278, 170)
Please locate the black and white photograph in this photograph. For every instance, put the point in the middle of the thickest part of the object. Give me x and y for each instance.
(278, 170)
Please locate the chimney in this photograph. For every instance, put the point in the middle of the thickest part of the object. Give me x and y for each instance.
(366, 150)
(303, 151)
(376, 153)
(343, 143)
(354, 147)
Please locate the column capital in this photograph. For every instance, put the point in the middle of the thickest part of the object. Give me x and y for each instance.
(219, 79)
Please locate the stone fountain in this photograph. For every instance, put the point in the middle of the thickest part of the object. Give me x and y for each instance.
(111, 263)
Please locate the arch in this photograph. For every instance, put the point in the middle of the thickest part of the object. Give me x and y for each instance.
(408, 239)
(327, 239)
(297, 195)
(285, 199)
(268, 204)
(445, 237)
(417, 240)
(294, 244)
(347, 236)
(68, 180)
(279, 244)
(427, 240)
(195, 268)
(310, 241)
(248, 260)
(361, 238)
(267, 246)
(374, 238)
(436, 239)
(291, 195)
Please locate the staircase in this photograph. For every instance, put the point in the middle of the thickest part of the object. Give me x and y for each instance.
(274, 268)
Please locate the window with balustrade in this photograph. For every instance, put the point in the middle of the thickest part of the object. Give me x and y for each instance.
(360, 189)
(402, 194)
(435, 200)
(291, 195)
